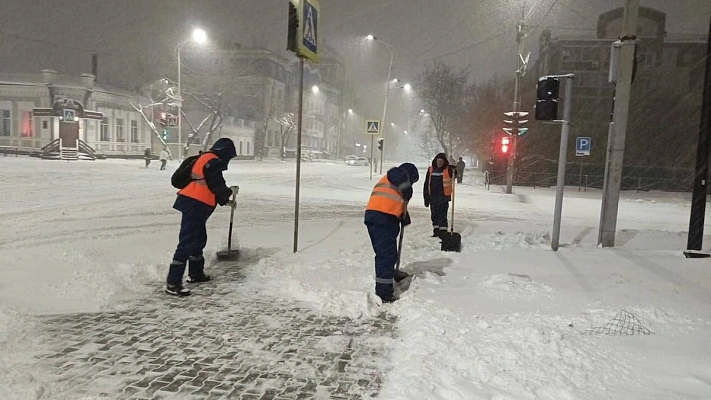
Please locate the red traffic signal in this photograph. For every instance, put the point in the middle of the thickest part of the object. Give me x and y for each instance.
(505, 145)
(163, 119)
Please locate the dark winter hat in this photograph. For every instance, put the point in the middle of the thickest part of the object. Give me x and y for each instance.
(224, 148)
(443, 157)
(411, 171)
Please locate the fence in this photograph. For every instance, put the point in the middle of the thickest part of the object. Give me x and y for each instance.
(585, 181)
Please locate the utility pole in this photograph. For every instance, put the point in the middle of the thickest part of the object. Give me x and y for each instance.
(618, 126)
(698, 200)
(520, 71)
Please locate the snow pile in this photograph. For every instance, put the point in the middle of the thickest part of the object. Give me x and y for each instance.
(504, 241)
(514, 285)
(522, 355)
(18, 380)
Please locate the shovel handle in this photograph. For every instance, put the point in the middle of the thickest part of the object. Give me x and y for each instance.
(232, 218)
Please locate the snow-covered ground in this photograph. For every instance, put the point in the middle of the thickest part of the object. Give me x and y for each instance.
(507, 318)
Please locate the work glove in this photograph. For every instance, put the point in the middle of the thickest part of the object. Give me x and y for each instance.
(406, 219)
(427, 202)
(231, 203)
(235, 190)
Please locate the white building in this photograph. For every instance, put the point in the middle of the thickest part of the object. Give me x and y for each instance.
(55, 115)
(242, 134)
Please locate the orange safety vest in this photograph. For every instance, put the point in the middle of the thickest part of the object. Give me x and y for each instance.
(197, 189)
(386, 198)
(446, 181)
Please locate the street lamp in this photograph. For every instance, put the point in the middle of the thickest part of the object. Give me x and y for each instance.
(314, 88)
(200, 37)
(387, 89)
(407, 87)
(350, 111)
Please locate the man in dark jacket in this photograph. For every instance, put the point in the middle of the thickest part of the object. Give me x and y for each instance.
(196, 202)
(438, 192)
(147, 154)
(460, 170)
(386, 211)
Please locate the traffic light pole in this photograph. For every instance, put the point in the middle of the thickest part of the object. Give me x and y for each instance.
(516, 105)
(618, 127)
(698, 200)
(298, 154)
(562, 159)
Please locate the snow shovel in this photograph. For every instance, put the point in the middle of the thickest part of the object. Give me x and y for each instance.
(452, 241)
(400, 275)
(229, 254)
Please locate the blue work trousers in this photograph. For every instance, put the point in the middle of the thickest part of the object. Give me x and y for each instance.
(192, 241)
(383, 237)
(438, 212)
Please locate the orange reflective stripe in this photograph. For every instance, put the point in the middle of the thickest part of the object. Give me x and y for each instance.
(197, 189)
(386, 198)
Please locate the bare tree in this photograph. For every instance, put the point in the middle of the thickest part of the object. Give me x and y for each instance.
(441, 91)
(136, 105)
(287, 123)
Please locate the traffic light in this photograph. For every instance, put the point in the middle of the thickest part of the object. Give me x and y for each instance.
(292, 27)
(380, 144)
(547, 99)
(166, 135)
(164, 119)
(505, 142)
(516, 123)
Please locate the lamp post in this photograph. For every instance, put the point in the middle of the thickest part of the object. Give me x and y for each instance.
(387, 88)
(200, 37)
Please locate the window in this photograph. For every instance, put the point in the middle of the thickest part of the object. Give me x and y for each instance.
(45, 125)
(240, 147)
(120, 134)
(134, 131)
(26, 124)
(5, 123)
(104, 130)
(247, 147)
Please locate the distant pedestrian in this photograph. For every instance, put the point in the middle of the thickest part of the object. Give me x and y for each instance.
(147, 156)
(460, 170)
(164, 156)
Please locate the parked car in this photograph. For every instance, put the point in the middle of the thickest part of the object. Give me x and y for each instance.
(357, 161)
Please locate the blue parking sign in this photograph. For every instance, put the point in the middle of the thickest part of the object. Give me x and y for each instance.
(583, 146)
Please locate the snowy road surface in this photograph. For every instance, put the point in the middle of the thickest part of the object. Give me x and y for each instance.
(84, 249)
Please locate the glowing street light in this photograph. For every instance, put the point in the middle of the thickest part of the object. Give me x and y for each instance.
(314, 89)
(407, 87)
(350, 111)
(370, 37)
(199, 37)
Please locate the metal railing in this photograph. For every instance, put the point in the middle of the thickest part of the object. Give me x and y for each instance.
(592, 181)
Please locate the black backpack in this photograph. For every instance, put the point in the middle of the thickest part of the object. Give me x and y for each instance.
(183, 175)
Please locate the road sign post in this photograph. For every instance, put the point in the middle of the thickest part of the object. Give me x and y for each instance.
(372, 128)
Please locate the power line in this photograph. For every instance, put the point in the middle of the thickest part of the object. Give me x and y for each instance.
(461, 49)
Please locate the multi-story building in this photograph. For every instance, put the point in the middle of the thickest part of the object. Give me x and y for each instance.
(69, 117)
(251, 83)
(666, 91)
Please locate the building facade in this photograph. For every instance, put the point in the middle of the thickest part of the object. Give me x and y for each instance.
(49, 114)
(666, 90)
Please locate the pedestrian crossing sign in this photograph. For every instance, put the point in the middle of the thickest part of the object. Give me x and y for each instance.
(308, 30)
(372, 127)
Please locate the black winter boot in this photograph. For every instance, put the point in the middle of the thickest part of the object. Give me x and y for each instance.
(435, 232)
(196, 270)
(177, 290)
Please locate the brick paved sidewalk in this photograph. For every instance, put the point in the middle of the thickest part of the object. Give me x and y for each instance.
(219, 343)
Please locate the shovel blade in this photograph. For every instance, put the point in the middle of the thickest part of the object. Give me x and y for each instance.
(228, 255)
